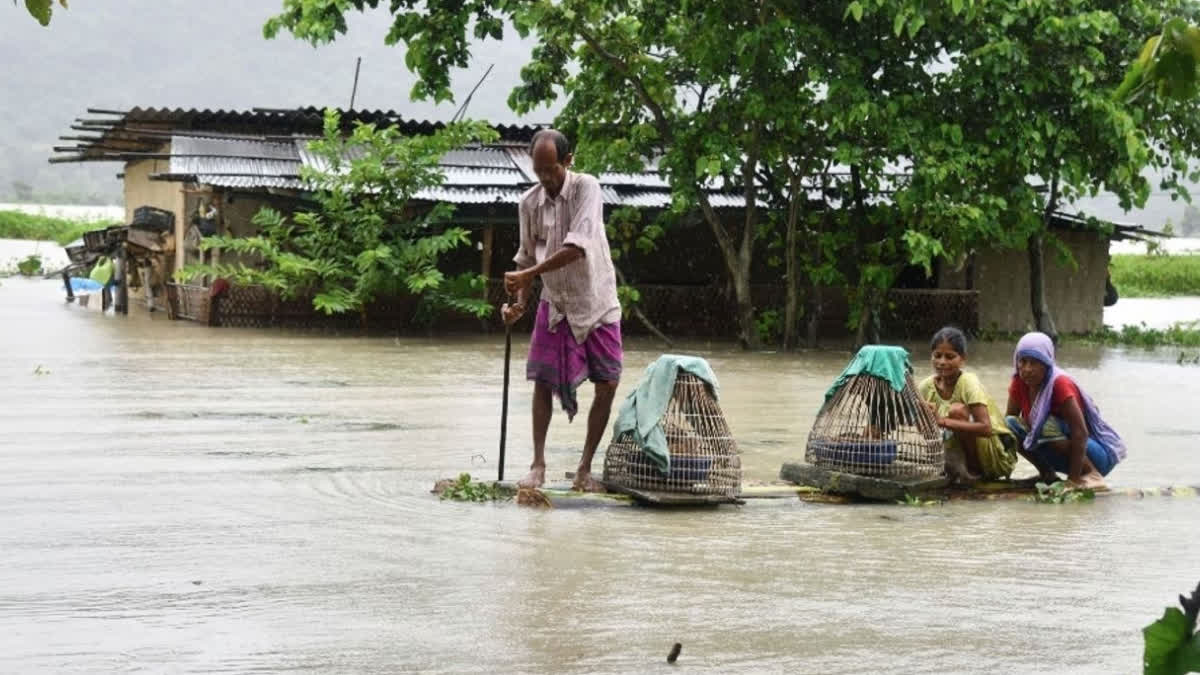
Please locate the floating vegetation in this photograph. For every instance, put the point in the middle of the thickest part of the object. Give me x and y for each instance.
(1060, 492)
(915, 500)
(465, 490)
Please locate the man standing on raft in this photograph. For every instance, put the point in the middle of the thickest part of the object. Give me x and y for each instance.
(577, 330)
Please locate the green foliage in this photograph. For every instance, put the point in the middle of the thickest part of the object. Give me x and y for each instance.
(1180, 334)
(977, 120)
(1171, 644)
(30, 265)
(365, 236)
(18, 225)
(42, 9)
(769, 324)
(916, 500)
(1165, 65)
(628, 236)
(464, 490)
(629, 297)
(1060, 492)
(1155, 275)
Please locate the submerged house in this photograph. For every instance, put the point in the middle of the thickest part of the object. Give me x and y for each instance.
(212, 170)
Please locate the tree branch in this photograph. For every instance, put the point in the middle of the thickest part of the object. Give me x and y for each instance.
(656, 109)
(641, 316)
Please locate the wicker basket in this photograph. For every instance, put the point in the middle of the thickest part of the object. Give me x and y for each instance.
(187, 301)
(704, 456)
(868, 428)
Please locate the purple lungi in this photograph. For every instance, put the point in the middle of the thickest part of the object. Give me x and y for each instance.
(559, 362)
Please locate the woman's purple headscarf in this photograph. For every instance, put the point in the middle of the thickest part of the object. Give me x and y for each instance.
(1039, 346)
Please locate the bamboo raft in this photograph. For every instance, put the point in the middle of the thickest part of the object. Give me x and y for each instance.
(559, 494)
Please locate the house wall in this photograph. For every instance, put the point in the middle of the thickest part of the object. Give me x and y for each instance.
(141, 191)
(1075, 295)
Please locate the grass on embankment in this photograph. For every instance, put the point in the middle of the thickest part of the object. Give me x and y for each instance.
(1181, 334)
(17, 225)
(1140, 276)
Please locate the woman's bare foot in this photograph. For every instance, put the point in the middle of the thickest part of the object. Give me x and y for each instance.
(1090, 481)
(957, 471)
(585, 483)
(534, 479)
(1027, 482)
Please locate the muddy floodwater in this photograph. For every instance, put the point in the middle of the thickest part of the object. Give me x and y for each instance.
(178, 499)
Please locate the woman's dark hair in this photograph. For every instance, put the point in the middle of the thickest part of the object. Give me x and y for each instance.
(952, 336)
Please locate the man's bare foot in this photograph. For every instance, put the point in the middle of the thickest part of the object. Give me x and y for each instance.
(534, 479)
(585, 483)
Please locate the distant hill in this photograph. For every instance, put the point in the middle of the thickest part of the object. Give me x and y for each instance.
(118, 54)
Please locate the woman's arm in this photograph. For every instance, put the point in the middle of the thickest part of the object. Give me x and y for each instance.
(1014, 408)
(981, 426)
(1077, 443)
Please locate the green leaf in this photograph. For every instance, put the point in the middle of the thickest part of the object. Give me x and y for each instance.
(898, 23)
(854, 9)
(915, 25)
(40, 10)
(1169, 649)
(956, 6)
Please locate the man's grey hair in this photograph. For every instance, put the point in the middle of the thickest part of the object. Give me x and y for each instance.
(561, 145)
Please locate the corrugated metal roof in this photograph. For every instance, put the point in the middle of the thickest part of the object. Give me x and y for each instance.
(457, 175)
(289, 120)
(520, 158)
(233, 159)
(233, 147)
(251, 182)
(471, 195)
(487, 157)
(480, 175)
(644, 180)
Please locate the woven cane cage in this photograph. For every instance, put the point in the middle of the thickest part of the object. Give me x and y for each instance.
(704, 456)
(867, 428)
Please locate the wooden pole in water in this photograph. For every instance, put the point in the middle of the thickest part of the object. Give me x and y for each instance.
(504, 404)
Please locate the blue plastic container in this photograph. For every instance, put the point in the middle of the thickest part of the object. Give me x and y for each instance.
(683, 468)
(864, 452)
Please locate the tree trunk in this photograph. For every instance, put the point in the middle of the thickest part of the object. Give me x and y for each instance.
(1037, 289)
(747, 331)
(816, 309)
(793, 282)
(737, 259)
(866, 295)
(1037, 267)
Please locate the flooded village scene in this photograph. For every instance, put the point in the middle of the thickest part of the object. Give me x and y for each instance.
(858, 336)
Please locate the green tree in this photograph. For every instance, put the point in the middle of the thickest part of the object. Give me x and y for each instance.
(1021, 122)
(998, 114)
(705, 89)
(367, 235)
